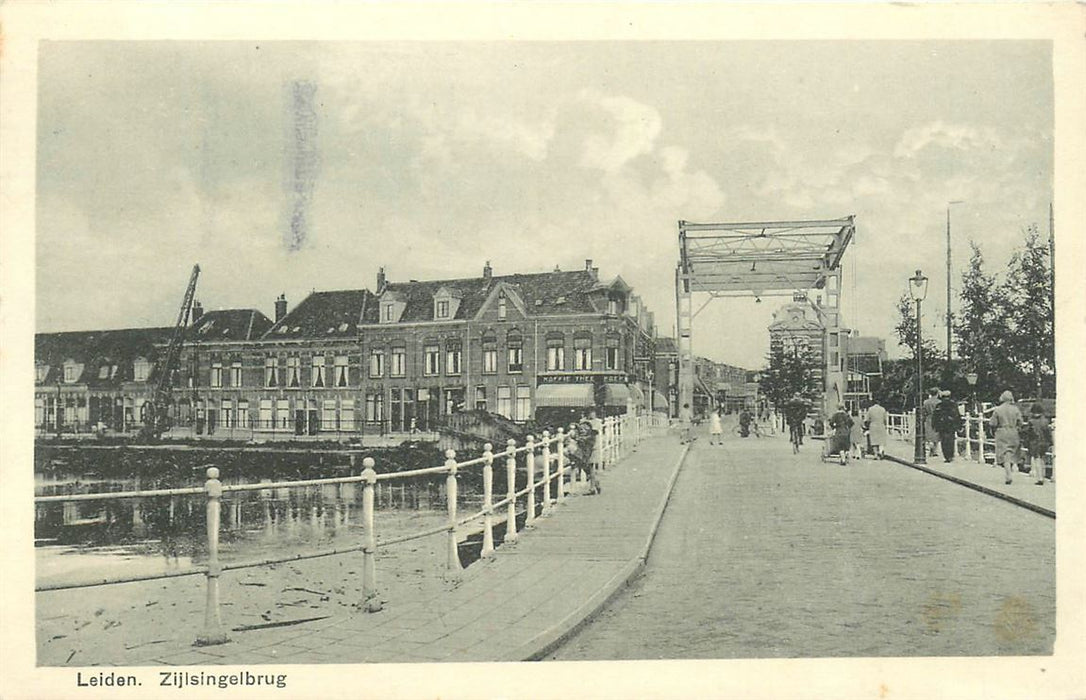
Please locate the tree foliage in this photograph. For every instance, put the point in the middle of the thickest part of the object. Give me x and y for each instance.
(788, 372)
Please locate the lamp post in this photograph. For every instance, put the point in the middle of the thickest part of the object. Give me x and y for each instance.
(972, 379)
(918, 289)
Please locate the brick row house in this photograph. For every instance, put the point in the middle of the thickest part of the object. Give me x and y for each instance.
(405, 356)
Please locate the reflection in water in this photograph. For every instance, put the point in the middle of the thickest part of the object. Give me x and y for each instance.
(84, 540)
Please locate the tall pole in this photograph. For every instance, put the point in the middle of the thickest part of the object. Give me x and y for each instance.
(1051, 284)
(948, 371)
(918, 431)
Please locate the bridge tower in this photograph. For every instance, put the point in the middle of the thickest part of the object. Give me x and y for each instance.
(770, 258)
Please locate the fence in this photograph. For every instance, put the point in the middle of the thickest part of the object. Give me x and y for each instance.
(548, 478)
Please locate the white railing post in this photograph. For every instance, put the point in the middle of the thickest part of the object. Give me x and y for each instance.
(560, 482)
(968, 435)
(213, 629)
(370, 601)
(529, 457)
(511, 491)
(488, 501)
(452, 566)
(601, 444)
(546, 472)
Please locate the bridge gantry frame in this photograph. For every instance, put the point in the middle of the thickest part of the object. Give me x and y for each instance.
(768, 258)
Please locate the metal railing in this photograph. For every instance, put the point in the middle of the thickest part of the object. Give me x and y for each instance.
(544, 492)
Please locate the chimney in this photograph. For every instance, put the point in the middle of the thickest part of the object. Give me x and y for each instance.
(594, 270)
(197, 311)
(588, 264)
(380, 280)
(488, 272)
(280, 307)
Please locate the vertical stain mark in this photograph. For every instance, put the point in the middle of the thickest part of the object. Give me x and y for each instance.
(304, 160)
(1015, 620)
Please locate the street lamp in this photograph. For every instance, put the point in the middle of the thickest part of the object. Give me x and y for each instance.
(972, 379)
(918, 289)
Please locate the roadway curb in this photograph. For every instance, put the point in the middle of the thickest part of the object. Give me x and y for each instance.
(553, 638)
(976, 487)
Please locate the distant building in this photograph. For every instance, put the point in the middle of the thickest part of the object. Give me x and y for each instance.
(715, 383)
(864, 356)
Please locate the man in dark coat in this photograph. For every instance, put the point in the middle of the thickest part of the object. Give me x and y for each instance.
(946, 420)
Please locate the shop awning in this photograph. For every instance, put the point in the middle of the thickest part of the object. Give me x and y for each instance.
(660, 402)
(564, 395)
(615, 394)
(637, 395)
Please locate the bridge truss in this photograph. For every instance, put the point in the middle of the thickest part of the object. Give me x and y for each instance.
(770, 258)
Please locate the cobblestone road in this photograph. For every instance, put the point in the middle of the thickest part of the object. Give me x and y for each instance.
(765, 554)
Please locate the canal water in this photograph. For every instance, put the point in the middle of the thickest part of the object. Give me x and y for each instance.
(82, 541)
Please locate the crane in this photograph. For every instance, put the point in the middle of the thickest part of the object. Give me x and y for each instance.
(156, 420)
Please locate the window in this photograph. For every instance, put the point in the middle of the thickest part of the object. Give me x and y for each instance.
(375, 407)
(342, 378)
(282, 414)
(490, 354)
(480, 398)
(271, 371)
(582, 353)
(39, 412)
(318, 371)
(235, 374)
(399, 362)
(501, 306)
(243, 413)
(216, 374)
(515, 347)
(346, 414)
(397, 410)
(505, 407)
(377, 362)
(294, 371)
(227, 413)
(266, 417)
(611, 353)
(452, 357)
(386, 313)
(524, 403)
(442, 308)
(40, 372)
(556, 354)
(432, 356)
(612, 307)
(141, 370)
(328, 415)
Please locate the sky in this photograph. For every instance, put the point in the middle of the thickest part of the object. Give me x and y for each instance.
(431, 159)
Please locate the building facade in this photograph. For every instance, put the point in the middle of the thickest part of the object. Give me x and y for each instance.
(403, 357)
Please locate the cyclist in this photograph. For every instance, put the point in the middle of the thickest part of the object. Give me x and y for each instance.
(795, 412)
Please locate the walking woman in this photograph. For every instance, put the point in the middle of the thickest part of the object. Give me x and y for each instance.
(876, 428)
(1006, 420)
(1039, 443)
(716, 428)
(857, 437)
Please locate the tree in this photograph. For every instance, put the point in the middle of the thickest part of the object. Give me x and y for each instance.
(905, 330)
(788, 372)
(981, 326)
(1030, 344)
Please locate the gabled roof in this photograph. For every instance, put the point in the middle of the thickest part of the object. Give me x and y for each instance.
(543, 293)
(326, 315)
(95, 349)
(666, 345)
(229, 324)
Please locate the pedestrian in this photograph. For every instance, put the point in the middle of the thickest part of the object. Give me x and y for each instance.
(586, 447)
(1039, 442)
(687, 435)
(716, 429)
(1006, 420)
(927, 411)
(857, 436)
(840, 424)
(795, 412)
(877, 434)
(947, 421)
(744, 423)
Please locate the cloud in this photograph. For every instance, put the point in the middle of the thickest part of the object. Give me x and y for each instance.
(961, 137)
(622, 129)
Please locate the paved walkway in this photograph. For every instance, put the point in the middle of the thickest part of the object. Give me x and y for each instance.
(516, 606)
(987, 477)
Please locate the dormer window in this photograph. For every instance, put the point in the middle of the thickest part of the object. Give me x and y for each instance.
(386, 312)
(446, 302)
(40, 373)
(69, 373)
(501, 307)
(141, 369)
(103, 372)
(612, 306)
(392, 306)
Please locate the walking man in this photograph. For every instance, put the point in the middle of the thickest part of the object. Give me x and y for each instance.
(1006, 420)
(877, 434)
(947, 421)
(1039, 443)
(927, 410)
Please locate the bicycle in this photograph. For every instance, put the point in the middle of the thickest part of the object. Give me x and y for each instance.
(795, 436)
